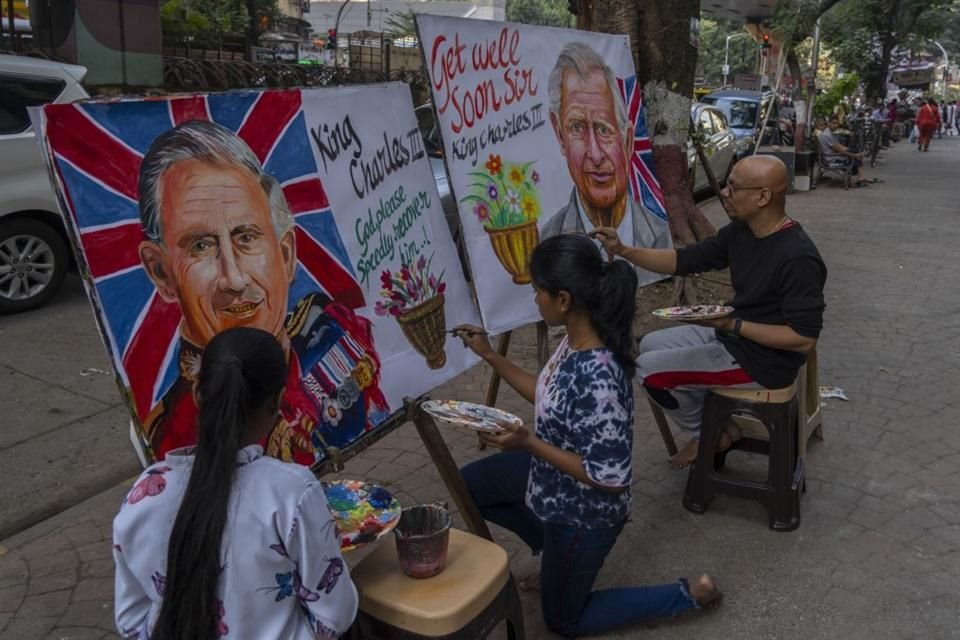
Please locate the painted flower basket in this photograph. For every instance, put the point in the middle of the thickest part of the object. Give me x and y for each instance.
(505, 200)
(414, 296)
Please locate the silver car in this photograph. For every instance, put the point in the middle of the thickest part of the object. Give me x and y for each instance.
(720, 146)
(34, 253)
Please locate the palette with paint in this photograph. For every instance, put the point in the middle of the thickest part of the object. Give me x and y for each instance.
(479, 417)
(694, 312)
(362, 511)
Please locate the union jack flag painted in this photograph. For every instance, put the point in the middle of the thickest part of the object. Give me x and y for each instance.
(97, 149)
(643, 181)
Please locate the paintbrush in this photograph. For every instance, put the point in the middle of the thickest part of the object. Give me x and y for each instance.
(468, 332)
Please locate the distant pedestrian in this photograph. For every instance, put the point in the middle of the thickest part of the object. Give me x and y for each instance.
(951, 120)
(928, 120)
(218, 540)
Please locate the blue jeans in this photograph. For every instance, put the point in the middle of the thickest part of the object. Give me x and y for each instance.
(572, 556)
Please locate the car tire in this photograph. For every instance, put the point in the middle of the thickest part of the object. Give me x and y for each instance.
(47, 260)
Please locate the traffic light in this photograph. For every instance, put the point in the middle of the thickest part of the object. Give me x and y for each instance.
(332, 39)
(766, 41)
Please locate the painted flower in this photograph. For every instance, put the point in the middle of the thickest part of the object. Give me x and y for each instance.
(516, 175)
(331, 412)
(482, 211)
(530, 208)
(381, 309)
(422, 263)
(386, 279)
(405, 274)
(432, 281)
(494, 165)
(535, 177)
(492, 192)
(441, 288)
(513, 201)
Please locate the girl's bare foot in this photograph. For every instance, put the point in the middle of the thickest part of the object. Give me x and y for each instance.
(706, 592)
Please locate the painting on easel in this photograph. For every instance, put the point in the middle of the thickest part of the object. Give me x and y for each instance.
(301, 212)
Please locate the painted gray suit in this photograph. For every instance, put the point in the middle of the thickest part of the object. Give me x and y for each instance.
(649, 230)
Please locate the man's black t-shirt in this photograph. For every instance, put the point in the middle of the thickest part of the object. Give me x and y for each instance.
(777, 279)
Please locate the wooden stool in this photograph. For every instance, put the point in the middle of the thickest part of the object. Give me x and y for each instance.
(468, 599)
(775, 409)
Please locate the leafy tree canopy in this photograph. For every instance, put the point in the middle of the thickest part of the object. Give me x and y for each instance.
(551, 13)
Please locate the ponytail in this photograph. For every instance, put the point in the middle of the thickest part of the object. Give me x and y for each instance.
(605, 291)
(242, 370)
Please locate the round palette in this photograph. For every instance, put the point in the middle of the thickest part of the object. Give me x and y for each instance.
(469, 414)
(363, 512)
(694, 312)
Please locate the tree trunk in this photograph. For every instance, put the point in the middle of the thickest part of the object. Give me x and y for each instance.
(659, 33)
(253, 29)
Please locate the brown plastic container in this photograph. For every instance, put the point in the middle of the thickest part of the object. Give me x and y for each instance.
(422, 536)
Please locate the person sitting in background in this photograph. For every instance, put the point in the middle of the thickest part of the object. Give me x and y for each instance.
(836, 154)
(565, 488)
(218, 540)
(778, 277)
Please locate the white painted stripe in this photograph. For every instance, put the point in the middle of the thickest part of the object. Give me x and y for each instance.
(107, 132)
(60, 158)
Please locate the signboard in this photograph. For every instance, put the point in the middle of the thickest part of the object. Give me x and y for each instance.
(544, 132)
(305, 213)
(747, 81)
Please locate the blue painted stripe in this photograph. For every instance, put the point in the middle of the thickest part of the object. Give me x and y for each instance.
(135, 123)
(323, 228)
(303, 285)
(229, 109)
(292, 157)
(94, 204)
(123, 298)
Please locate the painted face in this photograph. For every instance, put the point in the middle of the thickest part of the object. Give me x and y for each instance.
(592, 141)
(220, 256)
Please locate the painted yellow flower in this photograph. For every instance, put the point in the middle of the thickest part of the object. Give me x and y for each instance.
(516, 175)
(530, 207)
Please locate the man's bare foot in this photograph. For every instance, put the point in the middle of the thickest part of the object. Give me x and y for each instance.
(688, 454)
(530, 582)
(706, 592)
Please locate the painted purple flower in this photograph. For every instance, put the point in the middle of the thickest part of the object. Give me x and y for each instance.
(380, 309)
(422, 263)
(405, 274)
(492, 192)
(535, 177)
(432, 282)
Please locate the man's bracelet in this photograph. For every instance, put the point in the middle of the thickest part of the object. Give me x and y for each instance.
(737, 324)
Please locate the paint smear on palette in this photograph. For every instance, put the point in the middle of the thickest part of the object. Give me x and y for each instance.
(363, 512)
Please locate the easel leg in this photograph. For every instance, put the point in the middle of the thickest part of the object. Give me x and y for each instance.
(493, 389)
(449, 473)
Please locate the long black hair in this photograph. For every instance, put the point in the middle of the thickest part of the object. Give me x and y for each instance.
(606, 291)
(242, 372)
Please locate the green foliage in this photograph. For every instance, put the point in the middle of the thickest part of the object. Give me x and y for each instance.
(838, 93)
(400, 25)
(713, 37)
(199, 19)
(551, 13)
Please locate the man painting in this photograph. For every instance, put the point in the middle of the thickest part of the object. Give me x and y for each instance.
(220, 243)
(590, 120)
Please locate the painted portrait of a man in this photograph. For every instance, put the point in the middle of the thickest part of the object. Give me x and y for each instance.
(220, 243)
(595, 136)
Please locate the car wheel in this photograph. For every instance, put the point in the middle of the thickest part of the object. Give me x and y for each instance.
(33, 263)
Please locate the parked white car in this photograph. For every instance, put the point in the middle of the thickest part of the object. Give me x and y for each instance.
(34, 249)
(720, 146)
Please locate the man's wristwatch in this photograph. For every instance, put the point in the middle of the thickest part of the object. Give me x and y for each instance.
(737, 324)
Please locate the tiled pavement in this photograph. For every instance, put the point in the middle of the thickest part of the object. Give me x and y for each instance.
(878, 552)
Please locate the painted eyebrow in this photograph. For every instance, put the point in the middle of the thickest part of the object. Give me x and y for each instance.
(246, 228)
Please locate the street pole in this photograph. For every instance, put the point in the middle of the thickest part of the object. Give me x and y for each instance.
(946, 70)
(814, 65)
(13, 29)
(336, 30)
(726, 55)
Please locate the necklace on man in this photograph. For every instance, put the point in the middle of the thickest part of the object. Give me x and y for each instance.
(780, 225)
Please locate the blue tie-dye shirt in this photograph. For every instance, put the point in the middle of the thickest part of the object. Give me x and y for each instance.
(584, 404)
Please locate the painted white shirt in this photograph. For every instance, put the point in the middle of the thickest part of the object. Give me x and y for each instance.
(283, 573)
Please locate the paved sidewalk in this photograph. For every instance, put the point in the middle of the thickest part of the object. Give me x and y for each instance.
(878, 552)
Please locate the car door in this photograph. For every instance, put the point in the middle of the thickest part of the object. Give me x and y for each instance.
(707, 127)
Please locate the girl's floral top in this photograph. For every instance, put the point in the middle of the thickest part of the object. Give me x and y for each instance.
(283, 574)
(584, 404)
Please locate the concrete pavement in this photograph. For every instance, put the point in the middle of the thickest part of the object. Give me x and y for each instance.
(878, 552)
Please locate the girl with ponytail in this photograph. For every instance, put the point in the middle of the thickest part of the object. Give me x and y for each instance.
(218, 540)
(564, 488)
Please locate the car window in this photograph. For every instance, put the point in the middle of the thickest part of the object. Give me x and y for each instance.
(706, 123)
(741, 114)
(719, 121)
(428, 128)
(19, 92)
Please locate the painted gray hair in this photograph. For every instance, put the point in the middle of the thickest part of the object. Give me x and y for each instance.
(210, 143)
(580, 58)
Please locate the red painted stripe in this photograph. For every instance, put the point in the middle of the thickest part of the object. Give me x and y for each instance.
(338, 282)
(147, 349)
(113, 249)
(91, 149)
(641, 145)
(269, 116)
(673, 379)
(307, 195)
(190, 108)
